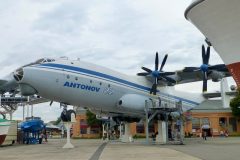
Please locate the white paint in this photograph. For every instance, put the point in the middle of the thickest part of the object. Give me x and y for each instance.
(68, 144)
(162, 133)
(127, 137)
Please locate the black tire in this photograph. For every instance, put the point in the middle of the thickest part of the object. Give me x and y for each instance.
(69, 113)
(64, 116)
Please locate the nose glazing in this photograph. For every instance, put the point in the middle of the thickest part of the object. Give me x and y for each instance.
(18, 74)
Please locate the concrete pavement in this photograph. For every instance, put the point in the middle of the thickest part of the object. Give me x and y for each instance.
(194, 149)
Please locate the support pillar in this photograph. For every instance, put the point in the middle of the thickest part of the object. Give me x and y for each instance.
(31, 110)
(162, 132)
(181, 132)
(68, 144)
(147, 128)
(121, 131)
(23, 112)
(10, 114)
(127, 137)
(105, 131)
(27, 110)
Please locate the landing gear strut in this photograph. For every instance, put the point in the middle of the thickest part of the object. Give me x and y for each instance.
(68, 117)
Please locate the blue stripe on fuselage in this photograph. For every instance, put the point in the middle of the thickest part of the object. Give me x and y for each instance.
(102, 75)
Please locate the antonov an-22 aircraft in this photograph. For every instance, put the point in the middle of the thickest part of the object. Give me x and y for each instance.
(107, 92)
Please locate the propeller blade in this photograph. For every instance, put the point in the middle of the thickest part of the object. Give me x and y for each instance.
(147, 69)
(203, 54)
(156, 62)
(204, 81)
(51, 103)
(171, 80)
(143, 74)
(163, 62)
(153, 89)
(218, 67)
(167, 73)
(208, 55)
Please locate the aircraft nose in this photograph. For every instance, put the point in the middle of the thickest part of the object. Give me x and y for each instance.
(18, 74)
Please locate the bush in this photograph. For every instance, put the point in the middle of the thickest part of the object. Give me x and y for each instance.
(235, 105)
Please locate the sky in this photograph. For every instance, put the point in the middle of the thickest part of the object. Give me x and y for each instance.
(122, 35)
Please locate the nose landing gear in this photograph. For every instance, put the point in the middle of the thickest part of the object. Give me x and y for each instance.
(68, 117)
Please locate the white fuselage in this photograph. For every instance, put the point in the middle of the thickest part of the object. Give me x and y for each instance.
(84, 84)
(4, 126)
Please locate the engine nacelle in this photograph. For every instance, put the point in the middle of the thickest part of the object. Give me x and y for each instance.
(216, 76)
(27, 90)
(132, 102)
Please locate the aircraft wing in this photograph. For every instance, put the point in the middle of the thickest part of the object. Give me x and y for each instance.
(185, 76)
(37, 100)
(218, 94)
(2, 83)
(8, 84)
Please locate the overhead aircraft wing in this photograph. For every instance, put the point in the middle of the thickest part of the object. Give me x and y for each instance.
(2, 82)
(185, 76)
(37, 100)
(8, 84)
(218, 94)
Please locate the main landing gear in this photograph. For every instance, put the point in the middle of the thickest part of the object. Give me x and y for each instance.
(68, 117)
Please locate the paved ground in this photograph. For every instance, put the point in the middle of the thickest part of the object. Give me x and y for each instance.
(212, 149)
(194, 149)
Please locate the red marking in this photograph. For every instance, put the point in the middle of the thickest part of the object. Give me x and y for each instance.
(2, 138)
(234, 69)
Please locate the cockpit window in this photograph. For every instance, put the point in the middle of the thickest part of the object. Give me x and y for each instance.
(48, 60)
(39, 61)
(44, 60)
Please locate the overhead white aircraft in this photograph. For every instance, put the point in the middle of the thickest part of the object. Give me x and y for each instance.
(219, 21)
(104, 91)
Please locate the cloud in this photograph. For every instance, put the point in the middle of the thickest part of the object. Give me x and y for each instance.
(44, 110)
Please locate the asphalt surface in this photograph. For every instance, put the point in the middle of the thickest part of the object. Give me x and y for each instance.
(212, 148)
(193, 149)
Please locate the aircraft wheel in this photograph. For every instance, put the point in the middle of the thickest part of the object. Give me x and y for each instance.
(64, 116)
(69, 113)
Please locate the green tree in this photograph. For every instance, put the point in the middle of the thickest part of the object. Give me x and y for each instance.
(91, 119)
(235, 104)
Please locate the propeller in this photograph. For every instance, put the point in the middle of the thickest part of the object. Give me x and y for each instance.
(51, 102)
(158, 74)
(205, 67)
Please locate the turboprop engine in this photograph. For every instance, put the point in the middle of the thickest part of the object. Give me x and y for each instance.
(27, 90)
(133, 102)
(216, 76)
